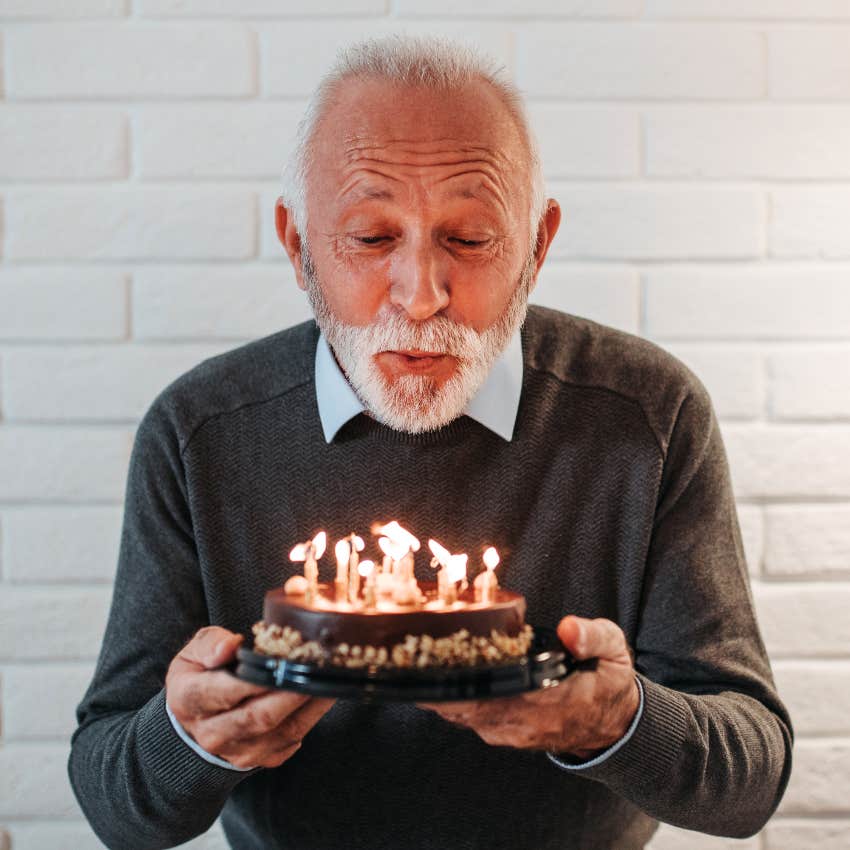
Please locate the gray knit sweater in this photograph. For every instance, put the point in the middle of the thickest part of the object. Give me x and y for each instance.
(612, 500)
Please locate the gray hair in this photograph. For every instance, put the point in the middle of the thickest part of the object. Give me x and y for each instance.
(429, 62)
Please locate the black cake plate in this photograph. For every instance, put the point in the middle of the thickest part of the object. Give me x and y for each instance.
(545, 664)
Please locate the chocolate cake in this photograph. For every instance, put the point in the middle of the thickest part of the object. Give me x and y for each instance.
(387, 634)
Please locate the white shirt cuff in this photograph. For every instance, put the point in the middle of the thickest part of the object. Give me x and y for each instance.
(613, 748)
(191, 742)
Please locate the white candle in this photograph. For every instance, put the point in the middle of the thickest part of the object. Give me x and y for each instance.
(314, 549)
(455, 572)
(341, 584)
(367, 570)
(356, 545)
(486, 583)
(341, 550)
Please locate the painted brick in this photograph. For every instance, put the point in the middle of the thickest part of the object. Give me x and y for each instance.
(671, 838)
(751, 521)
(580, 141)
(748, 141)
(625, 221)
(810, 222)
(27, 714)
(259, 8)
(747, 9)
(507, 8)
(804, 619)
(807, 539)
(607, 295)
(52, 834)
(790, 834)
(297, 53)
(215, 303)
(55, 60)
(225, 140)
(788, 461)
(640, 61)
(62, 303)
(64, 463)
(34, 781)
(70, 622)
(820, 777)
(809, 383)
(17, 9)
(793, 302)
(817, 694)
(62, 143)
(809, 62)
(128, 224)
(66, 543)
(109, 382)
(732, 375)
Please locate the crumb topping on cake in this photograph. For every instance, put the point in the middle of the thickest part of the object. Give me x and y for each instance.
(417, 651)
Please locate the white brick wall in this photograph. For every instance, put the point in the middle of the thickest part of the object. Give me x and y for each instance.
(700, 150)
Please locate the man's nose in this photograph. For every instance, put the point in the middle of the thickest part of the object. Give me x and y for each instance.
(419, 283)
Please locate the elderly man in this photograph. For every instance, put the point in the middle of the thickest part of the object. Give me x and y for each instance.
(416, 221)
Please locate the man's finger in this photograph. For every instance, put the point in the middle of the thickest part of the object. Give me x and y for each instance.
(599, 638)
(255, 716)
(211, 646)
(210, 692)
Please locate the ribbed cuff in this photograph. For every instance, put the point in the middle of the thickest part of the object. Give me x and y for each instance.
(164, 755)
(190, 742)
(649, 756)
(568, 763)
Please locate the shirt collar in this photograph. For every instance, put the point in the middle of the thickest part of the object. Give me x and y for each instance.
(495, 405)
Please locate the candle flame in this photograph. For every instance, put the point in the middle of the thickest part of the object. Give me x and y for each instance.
(397, 534)
(342, 550)
(491, 558)
(320, 541)
(299, 552)
(365, 568)
(457, 567)
(390, 547)
(439, 552)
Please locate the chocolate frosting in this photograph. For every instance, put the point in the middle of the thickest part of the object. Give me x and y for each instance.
(332, 623)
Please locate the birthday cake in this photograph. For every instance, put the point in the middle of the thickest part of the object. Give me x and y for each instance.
(382, 618)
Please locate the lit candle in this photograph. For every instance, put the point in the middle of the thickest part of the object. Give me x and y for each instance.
(356, 545)
(367, 570)
(310, 552)
(455, 572)
(486, 583)
(341, 550)
(442, 558)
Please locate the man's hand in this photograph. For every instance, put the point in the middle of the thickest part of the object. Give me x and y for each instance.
(587, 712)
(248, 725)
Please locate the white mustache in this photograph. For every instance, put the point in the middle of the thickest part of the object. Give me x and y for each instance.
(437, 334)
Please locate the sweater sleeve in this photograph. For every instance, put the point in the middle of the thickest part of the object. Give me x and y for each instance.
(712, 749)
(138, 784)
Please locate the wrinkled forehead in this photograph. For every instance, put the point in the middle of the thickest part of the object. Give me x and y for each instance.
(374, 121)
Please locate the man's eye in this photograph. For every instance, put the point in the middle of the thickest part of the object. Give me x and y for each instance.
(370, 240)
(469, 243)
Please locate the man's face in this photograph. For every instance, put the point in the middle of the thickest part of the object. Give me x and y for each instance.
(419, 263)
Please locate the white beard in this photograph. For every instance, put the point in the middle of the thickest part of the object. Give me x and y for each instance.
(416, 403)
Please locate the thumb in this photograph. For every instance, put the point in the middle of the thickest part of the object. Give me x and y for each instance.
(599, 638)
(212, 646)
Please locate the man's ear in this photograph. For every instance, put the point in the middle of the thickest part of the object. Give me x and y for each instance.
(284, 223)
(546, 231)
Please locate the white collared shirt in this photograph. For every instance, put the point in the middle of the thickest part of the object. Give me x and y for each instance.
(495, 405)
